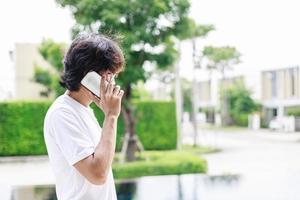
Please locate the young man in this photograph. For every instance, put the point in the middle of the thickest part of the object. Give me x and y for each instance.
(80, 151)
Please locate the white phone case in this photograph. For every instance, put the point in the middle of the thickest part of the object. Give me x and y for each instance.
(92, 82)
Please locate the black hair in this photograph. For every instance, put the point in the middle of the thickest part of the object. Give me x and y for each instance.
(90, 52)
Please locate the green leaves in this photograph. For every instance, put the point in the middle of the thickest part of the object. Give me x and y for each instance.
(293, 111)
(187, 28)
(203, 30)
(53, 53)
(221, 57)
(21, 130)
(218, 54)
(152, 163)
(142, 23)
(43, 77)
(240, 102)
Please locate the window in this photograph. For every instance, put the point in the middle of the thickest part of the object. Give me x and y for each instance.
(292, 73)
(273, 84)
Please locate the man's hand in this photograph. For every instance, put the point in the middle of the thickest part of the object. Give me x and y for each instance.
(110, 98)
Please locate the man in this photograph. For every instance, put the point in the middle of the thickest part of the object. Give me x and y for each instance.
(80, 151)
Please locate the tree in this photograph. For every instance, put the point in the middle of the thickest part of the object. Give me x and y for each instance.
(53, 53)
(139, 92)
(149, 29)
(241, 103)
(222, 59)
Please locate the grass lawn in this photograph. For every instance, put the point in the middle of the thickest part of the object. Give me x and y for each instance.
(150, 163)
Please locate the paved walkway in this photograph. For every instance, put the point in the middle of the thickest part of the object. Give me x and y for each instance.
(33, 171)
(267, 164)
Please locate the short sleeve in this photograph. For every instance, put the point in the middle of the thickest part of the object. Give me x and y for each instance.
(70, 136)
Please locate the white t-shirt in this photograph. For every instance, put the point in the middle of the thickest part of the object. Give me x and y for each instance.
(71, 134)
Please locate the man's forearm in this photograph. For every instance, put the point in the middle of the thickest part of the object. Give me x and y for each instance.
(105, 149)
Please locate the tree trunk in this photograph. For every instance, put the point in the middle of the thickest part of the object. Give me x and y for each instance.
(131, 143)
(194, 112)
(213, 109)
(226, 120)
(194, 99)
(178, 101)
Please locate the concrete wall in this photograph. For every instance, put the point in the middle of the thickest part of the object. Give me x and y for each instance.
(286, 84)
(26, 57)
(204, 91)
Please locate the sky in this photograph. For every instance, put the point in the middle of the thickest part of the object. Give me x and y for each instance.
(265, 32)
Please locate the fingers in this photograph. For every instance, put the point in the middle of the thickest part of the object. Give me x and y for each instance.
(121, 93)
(116, 90)
(110, 88)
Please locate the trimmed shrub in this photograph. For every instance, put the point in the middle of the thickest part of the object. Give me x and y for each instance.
(156, 125)
(293, 111)
(160, 163)
(241, 120)
(21, 126)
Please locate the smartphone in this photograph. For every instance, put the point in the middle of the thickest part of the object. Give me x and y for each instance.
(91, 81)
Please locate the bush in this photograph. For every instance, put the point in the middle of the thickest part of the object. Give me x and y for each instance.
(156, 125)
(293, 111)
(160, 163)
(241, 120)
(240, 103)
(21, 126)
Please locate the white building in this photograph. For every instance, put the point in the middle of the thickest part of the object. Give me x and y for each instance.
(208, 92)
(277, 90)
(25, 57)
(6, 77)
(280, 91)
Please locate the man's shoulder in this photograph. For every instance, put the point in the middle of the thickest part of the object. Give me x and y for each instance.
(59, 107)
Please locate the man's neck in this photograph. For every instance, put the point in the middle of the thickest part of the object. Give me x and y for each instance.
(80, 97)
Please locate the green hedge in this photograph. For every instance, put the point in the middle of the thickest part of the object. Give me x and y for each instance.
(241, 120)
(294, 111)
(156, 125)
(153, 163)
(21, 126)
